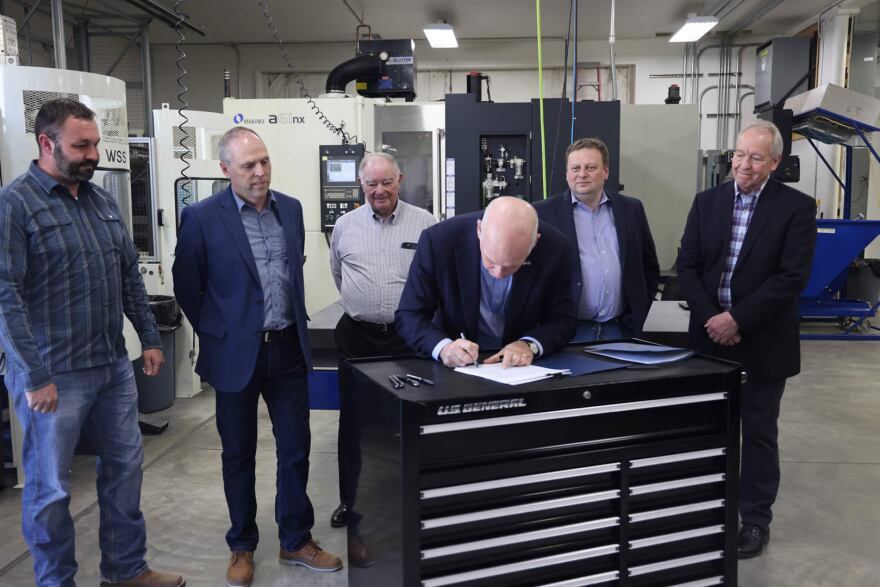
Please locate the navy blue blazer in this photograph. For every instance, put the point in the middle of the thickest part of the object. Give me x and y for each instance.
(441, 298)
(772, 269)
(218, 287)
(640, 270)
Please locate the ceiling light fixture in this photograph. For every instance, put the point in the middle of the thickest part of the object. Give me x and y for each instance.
(694, 29)
(440, 35)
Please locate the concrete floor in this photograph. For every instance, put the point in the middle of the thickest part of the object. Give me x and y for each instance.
(824, 532)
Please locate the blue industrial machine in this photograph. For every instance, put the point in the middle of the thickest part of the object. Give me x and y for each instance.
(836, 116)
(838, 242)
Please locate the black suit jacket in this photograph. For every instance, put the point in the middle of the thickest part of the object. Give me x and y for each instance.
(441, 297)
(218, 287)
(640, 270)
(772, 269)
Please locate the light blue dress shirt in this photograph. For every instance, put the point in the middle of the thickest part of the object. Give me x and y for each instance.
(266, 237)
(599, 251)
(493, 304)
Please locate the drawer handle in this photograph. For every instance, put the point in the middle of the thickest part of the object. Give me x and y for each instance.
(517, 481)
(527, 565)
(525, 508)
(572, 413)
(589, 580)
(676, 510)
(677, 458)
(675, 536)
(512, 539)
(708, 582)
(675, 563)
(676, 484)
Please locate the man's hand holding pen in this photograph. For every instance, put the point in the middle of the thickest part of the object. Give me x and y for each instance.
(460, 352)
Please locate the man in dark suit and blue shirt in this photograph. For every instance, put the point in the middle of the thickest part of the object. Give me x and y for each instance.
(614, 263)
(745, 257)
(492, 279)
(238, 278)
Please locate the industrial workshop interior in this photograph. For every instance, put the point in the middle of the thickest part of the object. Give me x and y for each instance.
(421, 293)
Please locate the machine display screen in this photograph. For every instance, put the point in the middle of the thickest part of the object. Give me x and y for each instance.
(341, 171)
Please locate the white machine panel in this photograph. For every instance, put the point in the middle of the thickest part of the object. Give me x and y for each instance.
(204, 130)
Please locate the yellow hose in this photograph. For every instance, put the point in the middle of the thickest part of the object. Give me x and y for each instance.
(541, 103)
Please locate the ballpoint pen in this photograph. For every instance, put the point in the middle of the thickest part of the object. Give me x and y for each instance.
(395, 382)
(419, 379)
(465, 338)
(406, 379)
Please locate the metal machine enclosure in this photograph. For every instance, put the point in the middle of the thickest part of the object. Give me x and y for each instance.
(340, 190)
(397, 74)
(469, 124)
(782, 65)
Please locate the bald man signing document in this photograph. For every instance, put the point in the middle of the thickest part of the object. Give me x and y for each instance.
(497, 279)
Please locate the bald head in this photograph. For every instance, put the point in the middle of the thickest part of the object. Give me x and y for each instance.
(507, 233)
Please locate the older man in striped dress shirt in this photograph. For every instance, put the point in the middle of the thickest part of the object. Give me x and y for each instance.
(370, 253)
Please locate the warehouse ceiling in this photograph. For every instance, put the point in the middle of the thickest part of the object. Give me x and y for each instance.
(312, 21)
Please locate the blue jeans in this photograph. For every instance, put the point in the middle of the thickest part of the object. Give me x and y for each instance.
(591, 331)
(280, 377)
(102, 402)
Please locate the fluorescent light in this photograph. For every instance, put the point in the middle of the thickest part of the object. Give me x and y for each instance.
(440, 35)
(694, 29)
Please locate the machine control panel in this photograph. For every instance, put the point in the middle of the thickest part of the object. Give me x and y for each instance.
(340, 190)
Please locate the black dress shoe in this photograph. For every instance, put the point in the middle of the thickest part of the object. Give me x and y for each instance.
(752, 540)
(339, 518)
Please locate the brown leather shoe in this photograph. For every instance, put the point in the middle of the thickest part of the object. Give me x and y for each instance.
(149, 578)
(241, 569)
(358, 553)
(311, 557)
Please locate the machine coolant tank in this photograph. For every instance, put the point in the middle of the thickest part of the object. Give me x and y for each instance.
(837, 243)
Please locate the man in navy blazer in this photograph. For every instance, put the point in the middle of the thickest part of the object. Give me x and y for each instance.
(614, 264)
(238, 278)
(745, 257)
(492, 279)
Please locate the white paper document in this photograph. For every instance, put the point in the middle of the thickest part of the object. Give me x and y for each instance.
(511, 375)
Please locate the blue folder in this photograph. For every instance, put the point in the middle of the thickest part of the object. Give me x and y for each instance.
(580, 364)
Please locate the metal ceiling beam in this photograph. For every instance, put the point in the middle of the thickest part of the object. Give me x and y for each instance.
(166, 15)
(751, 17)
(27, 17)
(134, 39)
(117, 11)
(58, 34)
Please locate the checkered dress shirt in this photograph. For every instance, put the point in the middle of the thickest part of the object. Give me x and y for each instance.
(743, 206)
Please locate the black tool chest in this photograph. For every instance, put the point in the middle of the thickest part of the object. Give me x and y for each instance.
(624, 478)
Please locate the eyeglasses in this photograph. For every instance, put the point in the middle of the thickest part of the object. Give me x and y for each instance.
(739, 156)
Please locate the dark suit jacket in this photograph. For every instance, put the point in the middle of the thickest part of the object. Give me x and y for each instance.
(218, 287)
(640, 270)
(772, 269)
(441, 297)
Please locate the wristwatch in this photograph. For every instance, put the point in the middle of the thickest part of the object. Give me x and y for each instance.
(533, 346)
